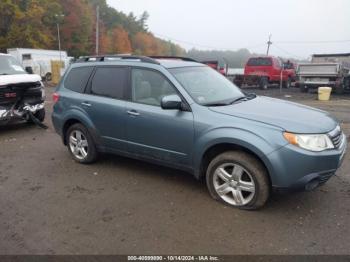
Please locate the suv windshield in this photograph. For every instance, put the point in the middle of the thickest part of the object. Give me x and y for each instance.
(206, 86)
(10, 66)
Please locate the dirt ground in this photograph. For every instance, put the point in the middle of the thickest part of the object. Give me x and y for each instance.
(51, 205)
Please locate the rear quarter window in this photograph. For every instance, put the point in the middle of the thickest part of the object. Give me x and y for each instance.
(77, 78)
(110, 82)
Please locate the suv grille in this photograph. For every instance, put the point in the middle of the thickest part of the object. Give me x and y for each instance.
(336, 136)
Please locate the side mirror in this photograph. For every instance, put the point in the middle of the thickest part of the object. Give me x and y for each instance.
(29, 70)
(171, 102)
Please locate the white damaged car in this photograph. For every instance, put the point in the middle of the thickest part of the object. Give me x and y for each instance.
(22, 94)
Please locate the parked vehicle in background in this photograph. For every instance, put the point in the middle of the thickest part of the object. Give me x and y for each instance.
(184, 115)
(316, 75)
(332, 70)
(264, 71)
(290, 67)
(21, 94)
(215, 64)
(39, 60)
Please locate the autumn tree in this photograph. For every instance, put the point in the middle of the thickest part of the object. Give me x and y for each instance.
(25, 24)
(120, 42)
(78, 27)
(33, 24)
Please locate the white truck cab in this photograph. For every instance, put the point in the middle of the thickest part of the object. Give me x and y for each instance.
(22, 94)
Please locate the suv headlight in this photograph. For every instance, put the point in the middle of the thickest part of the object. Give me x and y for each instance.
(314, 142)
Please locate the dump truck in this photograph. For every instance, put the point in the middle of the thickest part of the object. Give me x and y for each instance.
(315, 75)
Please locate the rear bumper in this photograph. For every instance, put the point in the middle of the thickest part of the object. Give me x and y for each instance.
(296, 169)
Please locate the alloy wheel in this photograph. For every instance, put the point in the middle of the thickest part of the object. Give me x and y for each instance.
(234, 184)
(78, 144)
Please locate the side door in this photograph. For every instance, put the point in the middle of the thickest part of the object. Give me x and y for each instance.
(105, 104)
(152, 132)
(278, 70)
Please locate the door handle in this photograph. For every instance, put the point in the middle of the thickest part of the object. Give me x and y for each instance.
(85, 104)
(133, 113)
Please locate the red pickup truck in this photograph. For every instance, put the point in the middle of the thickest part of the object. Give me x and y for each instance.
(265, 70)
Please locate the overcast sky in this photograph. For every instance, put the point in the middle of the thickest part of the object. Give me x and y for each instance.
(299, 28)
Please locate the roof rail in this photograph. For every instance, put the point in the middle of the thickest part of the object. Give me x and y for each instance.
(188, 59)
(102, 58)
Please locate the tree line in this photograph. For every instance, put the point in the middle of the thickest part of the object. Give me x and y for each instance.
(33, 24)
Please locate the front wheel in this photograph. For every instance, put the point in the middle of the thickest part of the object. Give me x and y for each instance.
(39, 115)
(80, 144)
(263, 83)
(238, 179)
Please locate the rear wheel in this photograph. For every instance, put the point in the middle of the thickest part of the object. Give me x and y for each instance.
(238, 179)
(80, 144)
(263, 83)
(287, 84)
(304, 88)
(48, 77)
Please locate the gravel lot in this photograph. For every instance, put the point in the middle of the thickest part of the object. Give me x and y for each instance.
(52, 205)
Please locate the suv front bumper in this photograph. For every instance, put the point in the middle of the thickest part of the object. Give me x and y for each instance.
(296, 169)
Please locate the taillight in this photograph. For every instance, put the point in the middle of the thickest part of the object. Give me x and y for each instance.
(55, 97)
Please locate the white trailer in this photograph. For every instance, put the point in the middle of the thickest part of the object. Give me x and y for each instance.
(39, 60)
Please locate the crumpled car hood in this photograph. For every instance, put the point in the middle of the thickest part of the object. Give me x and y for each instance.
(287, 115)
(17, 79)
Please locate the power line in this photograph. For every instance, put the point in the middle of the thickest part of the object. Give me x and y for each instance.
(313, 42)
(203, 45)
(287, 52)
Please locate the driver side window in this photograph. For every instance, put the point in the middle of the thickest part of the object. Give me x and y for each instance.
(149, 87)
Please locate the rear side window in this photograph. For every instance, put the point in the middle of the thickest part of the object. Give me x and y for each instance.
(77, 79)
(259, 61)
(110, 82)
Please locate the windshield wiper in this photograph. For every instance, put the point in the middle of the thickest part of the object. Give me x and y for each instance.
(3, 74)
(217, 104)
(243, 98)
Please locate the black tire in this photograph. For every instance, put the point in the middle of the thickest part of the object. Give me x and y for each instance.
(263, 83)
(48, 77)
(257, 172)
(304, 89)
(91, 147)
(287, 84)
(339, 90)
(40, 115)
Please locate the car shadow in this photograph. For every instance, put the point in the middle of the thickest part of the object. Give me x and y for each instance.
(15, 126)
(277, 203)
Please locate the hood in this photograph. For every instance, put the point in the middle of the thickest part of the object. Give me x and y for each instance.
(289, 116)
(17, 79)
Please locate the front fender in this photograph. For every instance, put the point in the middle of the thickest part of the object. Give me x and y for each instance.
(255, 143)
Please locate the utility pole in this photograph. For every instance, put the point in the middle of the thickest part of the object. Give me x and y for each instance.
(269, 43)
(59, 17)
(97, 28)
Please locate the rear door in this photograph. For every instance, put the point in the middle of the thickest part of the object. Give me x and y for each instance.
(154, 133)
(105, 104)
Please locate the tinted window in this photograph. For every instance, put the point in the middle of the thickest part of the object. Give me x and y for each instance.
(149, 87)
(77, 79)
(109, 82)
(259, 61)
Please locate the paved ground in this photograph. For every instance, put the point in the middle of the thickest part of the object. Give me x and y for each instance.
(51, 205)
